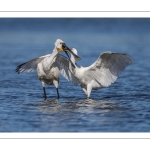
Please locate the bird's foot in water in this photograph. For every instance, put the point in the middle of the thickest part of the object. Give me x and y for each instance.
(88, 99)
(58, 97)
(45, 97)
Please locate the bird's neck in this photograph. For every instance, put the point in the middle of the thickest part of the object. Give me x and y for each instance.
(54, 53)
(52, 57)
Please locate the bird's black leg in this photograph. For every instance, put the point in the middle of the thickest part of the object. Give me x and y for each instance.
(44, 93)
(57, 93)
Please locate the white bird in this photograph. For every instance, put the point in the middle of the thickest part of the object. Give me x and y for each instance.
(102, 73)
(46, 66)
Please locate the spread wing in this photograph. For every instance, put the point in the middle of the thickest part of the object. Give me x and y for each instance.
(30, 65)
(107, 67)
(63, 65)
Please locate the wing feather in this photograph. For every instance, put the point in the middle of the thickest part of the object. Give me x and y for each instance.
(107, 67)
(30, 65)
(64, 67)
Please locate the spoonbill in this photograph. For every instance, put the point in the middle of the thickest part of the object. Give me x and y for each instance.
(47, 67)
(102, 73)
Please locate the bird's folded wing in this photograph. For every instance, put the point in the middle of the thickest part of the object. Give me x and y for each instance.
(107, 67)
(64, 67)
(30, 65)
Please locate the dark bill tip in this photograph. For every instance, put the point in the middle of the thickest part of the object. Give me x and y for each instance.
(66, 49)
(77, 57)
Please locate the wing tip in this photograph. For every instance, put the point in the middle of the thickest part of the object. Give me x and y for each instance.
(131, 60)
(18, 68)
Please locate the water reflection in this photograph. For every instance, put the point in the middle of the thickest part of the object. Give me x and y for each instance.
(78, 106)
(49, 106)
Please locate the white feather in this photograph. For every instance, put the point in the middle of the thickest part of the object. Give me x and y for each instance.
(102, 73)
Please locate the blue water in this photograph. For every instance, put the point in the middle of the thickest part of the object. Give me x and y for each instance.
(122, 107)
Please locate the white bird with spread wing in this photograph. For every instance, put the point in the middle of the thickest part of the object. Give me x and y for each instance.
(46, 66)
(102, 73)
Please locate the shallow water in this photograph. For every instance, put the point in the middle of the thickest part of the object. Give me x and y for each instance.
(122, 107)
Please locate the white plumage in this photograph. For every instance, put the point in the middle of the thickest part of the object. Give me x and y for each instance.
(102, 73)
(46, 66)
